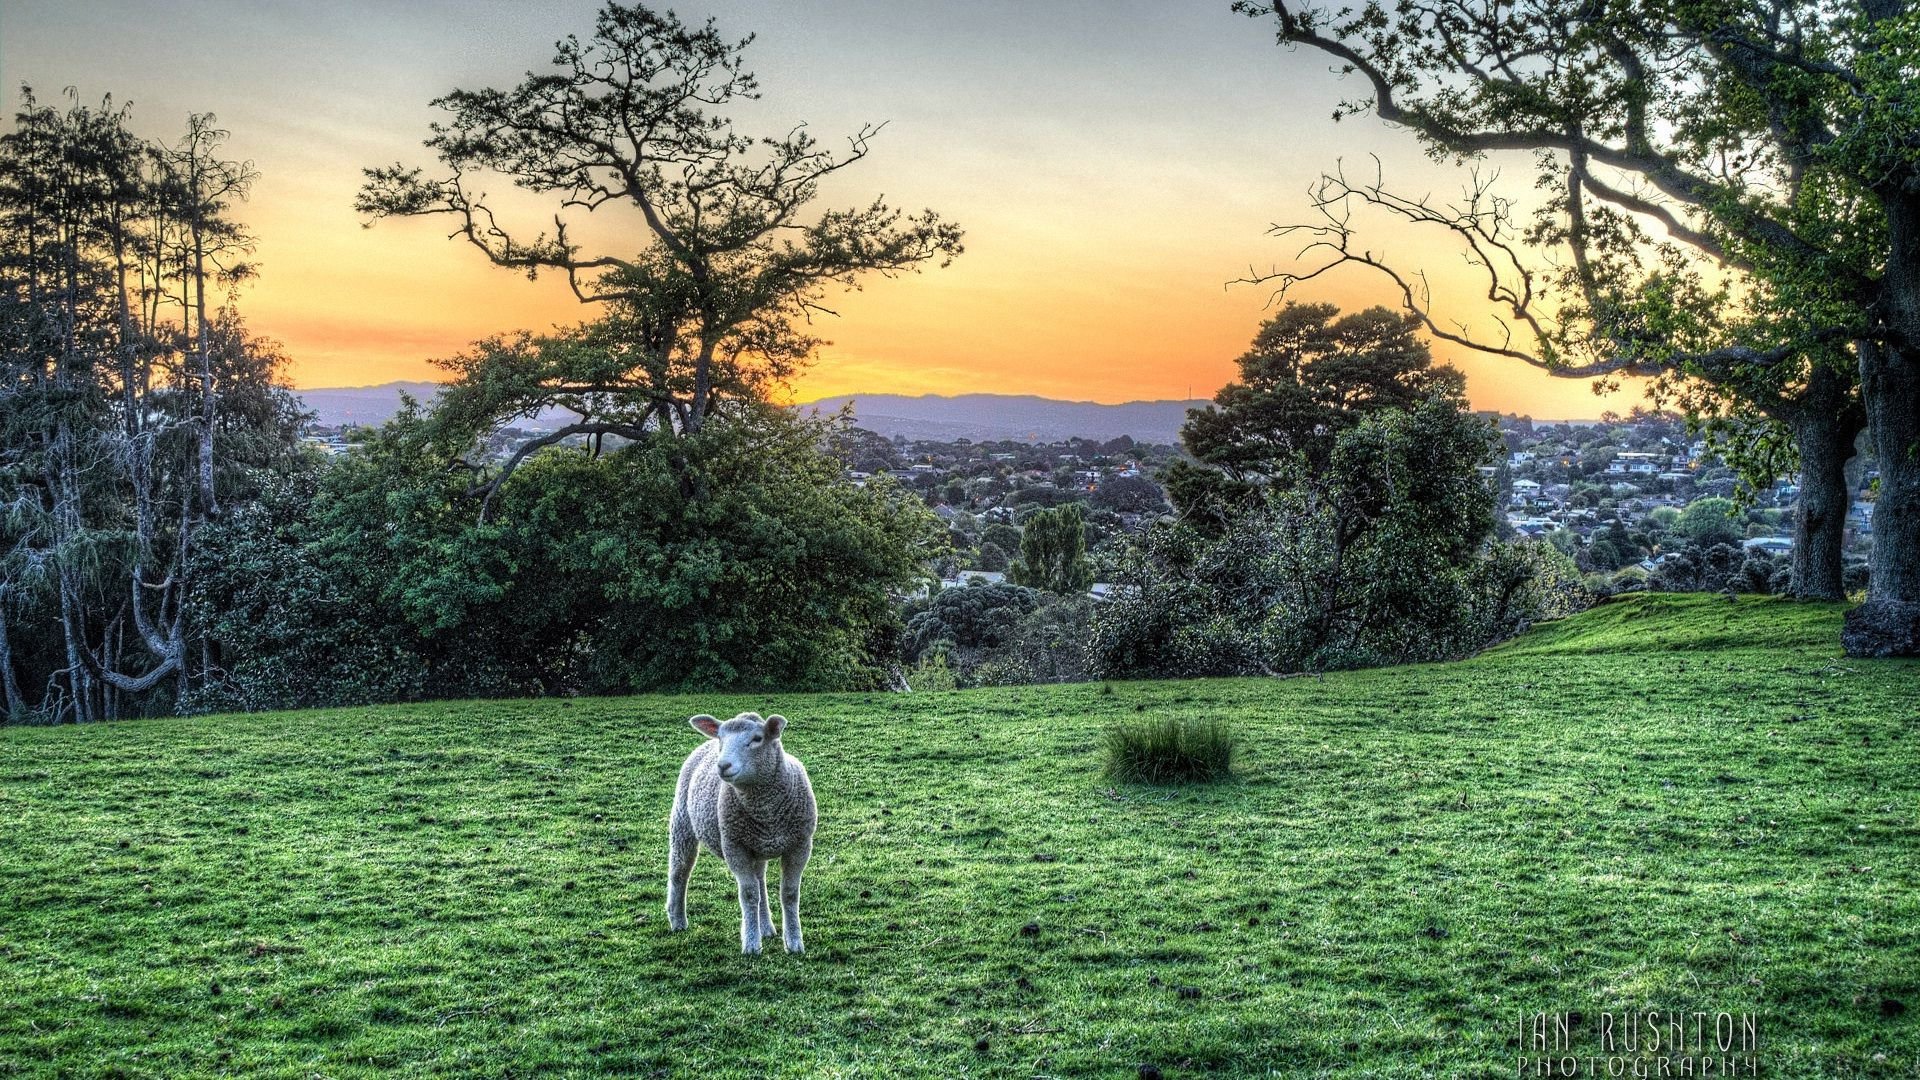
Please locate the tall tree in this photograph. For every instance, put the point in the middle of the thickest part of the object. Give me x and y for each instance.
(196, 190)
(1378, 555)
(1053, 552)
(1310, 374)
(720, 300)
(1795, 408)
(1769, 149)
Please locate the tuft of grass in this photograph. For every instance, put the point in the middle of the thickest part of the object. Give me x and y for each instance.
(1170, 750)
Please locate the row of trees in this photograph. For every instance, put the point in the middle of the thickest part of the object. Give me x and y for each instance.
(1334, 515)
(1732, 207)
(134, 406)
(736, 556)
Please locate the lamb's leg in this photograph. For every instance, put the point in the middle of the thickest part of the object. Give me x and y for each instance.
(791, 866)
(752, 880)
(682, 848)
(766, 912)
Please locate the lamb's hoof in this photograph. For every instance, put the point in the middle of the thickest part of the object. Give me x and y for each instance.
(750, 948)
(796, 947)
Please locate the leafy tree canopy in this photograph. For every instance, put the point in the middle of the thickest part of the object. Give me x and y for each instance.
(1310, 374)
(1053, 551)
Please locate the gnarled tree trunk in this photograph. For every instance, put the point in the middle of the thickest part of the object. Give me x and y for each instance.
(1825, 423)
(1888, 624)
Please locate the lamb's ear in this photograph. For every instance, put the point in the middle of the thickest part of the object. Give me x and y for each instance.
(775, 725)
(706, 725)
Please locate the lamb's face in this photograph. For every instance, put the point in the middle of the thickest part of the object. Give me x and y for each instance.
(750, 750)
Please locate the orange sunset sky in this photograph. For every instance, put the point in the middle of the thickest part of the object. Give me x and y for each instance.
(1114, 165)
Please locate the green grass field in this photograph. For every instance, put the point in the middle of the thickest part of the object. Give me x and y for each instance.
(1670, 803)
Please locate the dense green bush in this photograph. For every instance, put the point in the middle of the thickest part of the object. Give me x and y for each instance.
(1720, 567)
(293, 621)
(1047, 645)
(1382, 555)
(737, 557)
(997, 635)
(970, 617)
(1170, 750)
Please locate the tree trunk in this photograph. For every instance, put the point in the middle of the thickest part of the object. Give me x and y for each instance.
(1825, 428)
(208, 505)
(696, 416)
(16, 705)
(1888, 624)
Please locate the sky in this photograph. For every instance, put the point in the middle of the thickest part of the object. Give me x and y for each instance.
(1115, 164)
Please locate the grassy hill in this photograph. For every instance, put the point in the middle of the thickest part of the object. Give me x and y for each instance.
(1669, 803)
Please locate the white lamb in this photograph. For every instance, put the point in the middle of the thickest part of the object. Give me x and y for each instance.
(746, 799)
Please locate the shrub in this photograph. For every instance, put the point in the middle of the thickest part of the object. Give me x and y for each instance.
(1048, 645)
(1053, 552)
(1856, 576)
(1170, 750)
(970, 617)
(932, 674)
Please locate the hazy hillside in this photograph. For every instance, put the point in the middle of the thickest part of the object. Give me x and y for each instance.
(973, 416)
(1009, 416)
(363, 404)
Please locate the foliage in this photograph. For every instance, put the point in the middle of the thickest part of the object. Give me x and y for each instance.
(969, 617)
(1129, 495)
(1374, 559)
(1001, 635)
(737, 557)
(1053, 552)
(1005, 537)
(1169, 750)
(1390, 831)
(1712, 521)
(1307, 377)
(1720, 567)
(1731, 205)
(134, 409)
(1047, 645)
(992, 558)
(296, 623)
(932, 675)
(1518, 583)
(1045, 496)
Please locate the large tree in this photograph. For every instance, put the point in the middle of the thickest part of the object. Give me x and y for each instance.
(597, 574)
(1310, 374)
(736, 266)
(1791, 408)
(1053, 552)
(1736, 186)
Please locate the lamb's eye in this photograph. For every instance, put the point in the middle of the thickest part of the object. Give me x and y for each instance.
(757, 738)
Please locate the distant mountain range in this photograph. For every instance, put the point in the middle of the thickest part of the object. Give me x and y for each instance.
(980, 417)
(368, 405)
(983, 417)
